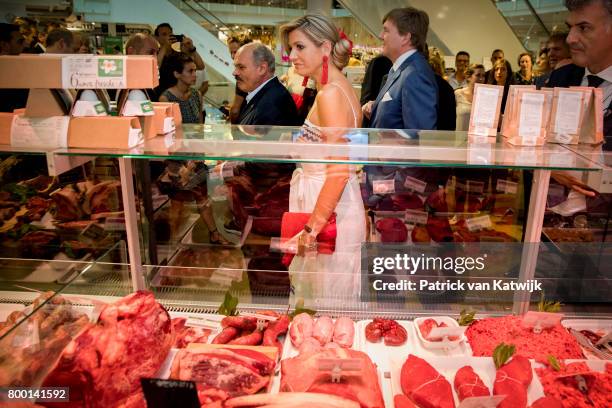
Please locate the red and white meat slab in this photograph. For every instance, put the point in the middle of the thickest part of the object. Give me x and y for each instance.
(468, 384)
(512, 380)
(309, 335)
(425, 386)
(104, 364)
(302, 374)
(233, 372)
(184, 335)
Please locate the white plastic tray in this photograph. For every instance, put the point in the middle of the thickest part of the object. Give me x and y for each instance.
(437, 345)
(600, 326)
(379, 352)
(448, 367)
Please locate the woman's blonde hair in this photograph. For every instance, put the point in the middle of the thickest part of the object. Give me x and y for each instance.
(319, 28)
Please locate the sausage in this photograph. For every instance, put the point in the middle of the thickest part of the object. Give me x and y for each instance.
(226, 335)
(240, 322)
(251, 339)
(301, 328)
(344, 332)
(275, 329)
(323, 330)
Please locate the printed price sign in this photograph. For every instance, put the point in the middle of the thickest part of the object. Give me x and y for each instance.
(383, 186)
(479, 223)
(506, 186)
(416, 217)
(415, 184)
(169, 393)
(93, 72)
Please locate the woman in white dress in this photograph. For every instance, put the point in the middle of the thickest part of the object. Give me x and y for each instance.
(475, 74)
(319, 51)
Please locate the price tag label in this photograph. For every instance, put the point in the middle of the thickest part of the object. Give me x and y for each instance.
(40, 132)
(169, 393)
(94, 232)
(479, 223)
(415, 184)
(416, 217)
(506, 186)
(383, 186)
(93, 72)
(441, 332)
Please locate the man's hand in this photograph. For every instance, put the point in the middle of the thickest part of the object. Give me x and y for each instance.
(367, 109)
(187, 46)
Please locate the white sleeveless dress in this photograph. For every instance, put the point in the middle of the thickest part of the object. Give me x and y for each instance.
(328, 280)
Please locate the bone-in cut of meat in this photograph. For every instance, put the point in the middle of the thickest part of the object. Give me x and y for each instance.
(233, 371)
(425, 385)
(468, 384)
(104, 364)
(512, 380)
(302, 374)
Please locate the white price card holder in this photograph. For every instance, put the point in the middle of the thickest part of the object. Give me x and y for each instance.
(486, 106)
(383, 186)
(539, 321)
(533, 112)
(479, 223)
(568, 110)
(340, 367)
(444, 333)
(416, 217)
(415, 184)
(206, 322)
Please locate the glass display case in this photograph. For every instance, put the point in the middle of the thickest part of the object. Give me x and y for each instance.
(448, 223)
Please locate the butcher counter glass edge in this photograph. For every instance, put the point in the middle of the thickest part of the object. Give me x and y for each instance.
(360, 146)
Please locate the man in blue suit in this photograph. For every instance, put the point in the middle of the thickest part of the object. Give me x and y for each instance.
(409, 97)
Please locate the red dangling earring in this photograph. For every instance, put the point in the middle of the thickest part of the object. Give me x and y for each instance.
(325, 70)
(305, 82)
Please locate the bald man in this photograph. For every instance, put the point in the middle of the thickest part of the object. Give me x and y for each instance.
(141, 44)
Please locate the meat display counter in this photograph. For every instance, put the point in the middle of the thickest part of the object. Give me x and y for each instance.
(452, 230)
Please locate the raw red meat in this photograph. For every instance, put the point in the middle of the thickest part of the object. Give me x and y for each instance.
(428, 325)
(104, 364)
(233, 371)
(485, 334)
(301, 374)
(468, 384)
(439, 229)
(402, 401)
(547, 402)
(392, 230)
(437, 201)
(391, 331)
(184, 335)
(424, 385)
(103, 197)
(406, 201)
(67, 204)
(512, 380)
(562, 386)
(275, 329)
(420, 234)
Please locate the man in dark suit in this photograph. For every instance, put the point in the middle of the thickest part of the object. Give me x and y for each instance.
(267, 102)
(590, 43)
(409, 98)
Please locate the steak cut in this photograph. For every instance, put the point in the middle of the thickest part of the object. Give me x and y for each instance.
(512, 380)
(392, 230)
(104, 364)
(234, 371)
(302, 374)
(468, 384)
(425, 385)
